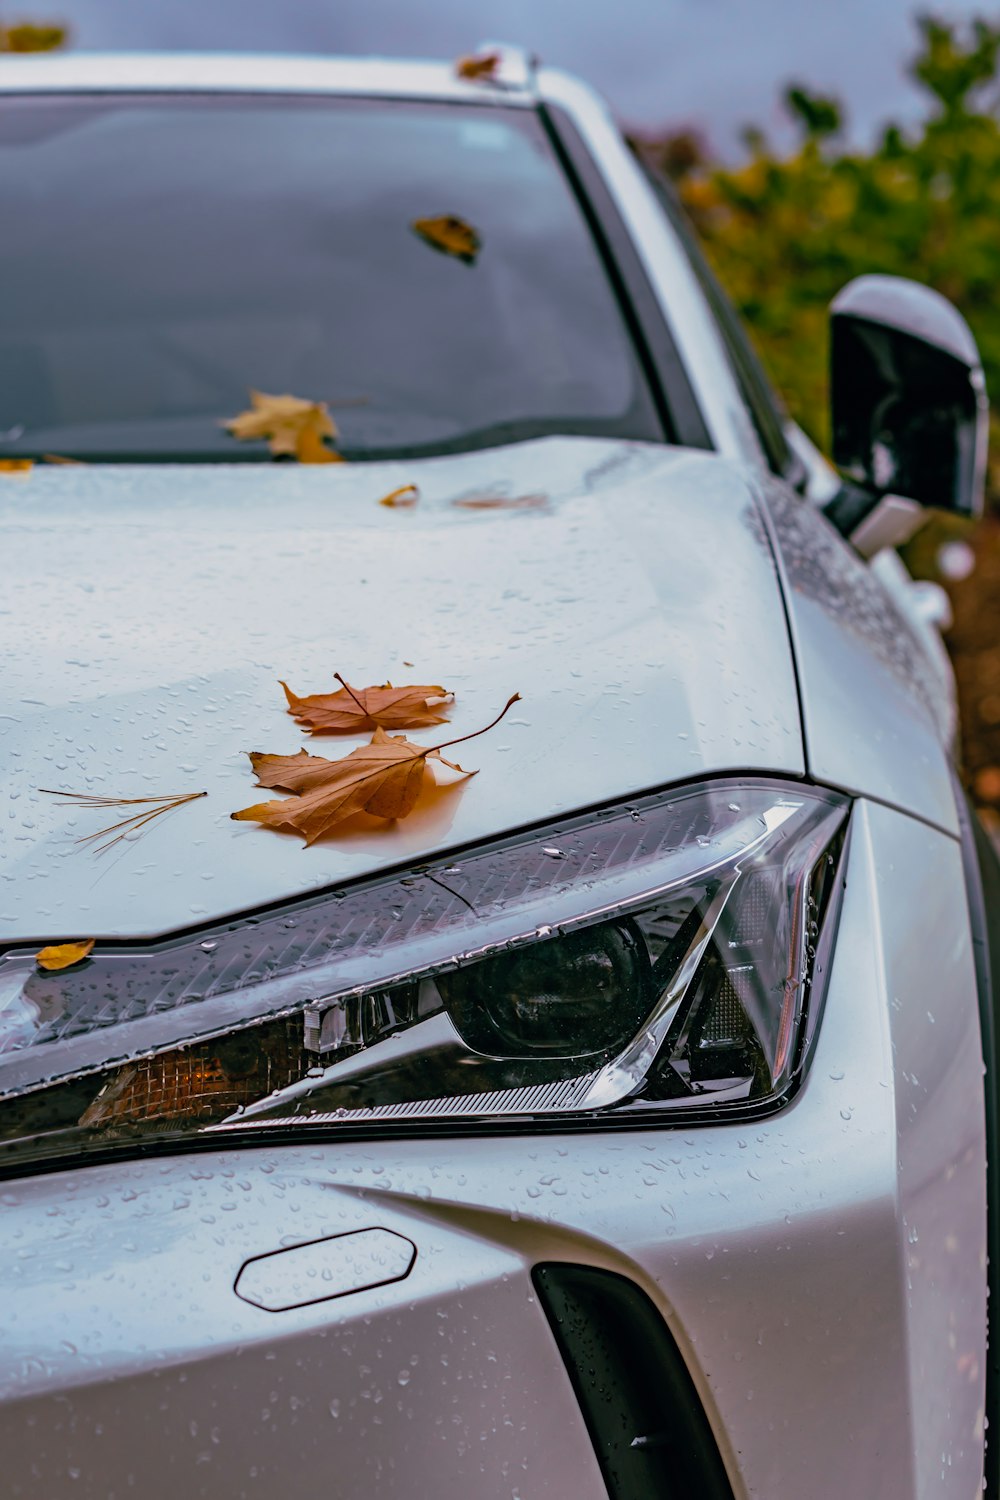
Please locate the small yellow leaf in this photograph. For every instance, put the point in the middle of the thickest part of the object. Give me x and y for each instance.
(15, 465)
(63, 955)
(451, 235)
(57, 458)
(479, 65)
(26, 37)
(407, 494)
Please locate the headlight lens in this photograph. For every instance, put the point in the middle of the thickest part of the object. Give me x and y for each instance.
(664, 958)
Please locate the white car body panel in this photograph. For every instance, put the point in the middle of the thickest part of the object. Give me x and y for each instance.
(820, 1270)
(218, 72)
(154, 610)
(874, 705)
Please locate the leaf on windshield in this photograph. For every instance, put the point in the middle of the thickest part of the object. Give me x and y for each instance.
(63, 955)
(383, 778)
(15, 465)
(451, 235)
(349, 710)
(293, 427)
(406, 495)
(491, 501)
(479, 65)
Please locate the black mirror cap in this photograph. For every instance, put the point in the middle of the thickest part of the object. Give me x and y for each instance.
(910, 412)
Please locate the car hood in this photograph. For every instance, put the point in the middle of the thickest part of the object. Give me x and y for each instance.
(625, 590)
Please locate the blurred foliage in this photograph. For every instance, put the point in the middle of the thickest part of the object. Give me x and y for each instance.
(785, 231)
(32, 36)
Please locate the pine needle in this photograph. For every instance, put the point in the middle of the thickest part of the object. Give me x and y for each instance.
(151, 807)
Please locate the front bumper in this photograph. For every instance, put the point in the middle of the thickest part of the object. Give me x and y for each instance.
(822, 1272)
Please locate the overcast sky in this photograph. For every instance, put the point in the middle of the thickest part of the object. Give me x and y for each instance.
(715, 63)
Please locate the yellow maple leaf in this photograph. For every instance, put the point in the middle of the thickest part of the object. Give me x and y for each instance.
(294, 427)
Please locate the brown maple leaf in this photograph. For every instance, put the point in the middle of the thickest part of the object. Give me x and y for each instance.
(451, 235)
(293, 427)
(479, 65)
(350, 710)
(384, 778)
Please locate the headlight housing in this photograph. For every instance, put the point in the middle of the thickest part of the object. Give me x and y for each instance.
(663, 959)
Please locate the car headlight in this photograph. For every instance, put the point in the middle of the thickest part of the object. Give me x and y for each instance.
(662, 959)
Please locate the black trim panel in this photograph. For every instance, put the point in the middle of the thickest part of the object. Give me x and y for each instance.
(672, 391)
(651, 1436)
(982, 883)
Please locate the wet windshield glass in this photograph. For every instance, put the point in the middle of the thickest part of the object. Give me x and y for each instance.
(161, 256)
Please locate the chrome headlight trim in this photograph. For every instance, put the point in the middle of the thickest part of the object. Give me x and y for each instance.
(130, 1003)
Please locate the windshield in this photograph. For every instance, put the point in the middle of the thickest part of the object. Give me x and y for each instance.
(162, 256)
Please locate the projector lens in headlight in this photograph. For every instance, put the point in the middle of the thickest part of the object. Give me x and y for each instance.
(664, 959)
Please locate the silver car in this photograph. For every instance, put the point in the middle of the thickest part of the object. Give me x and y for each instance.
(615, 1124)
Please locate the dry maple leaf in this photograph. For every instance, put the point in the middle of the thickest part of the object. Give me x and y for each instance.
(63, 955)
(293, 427)
(384, 778)
(16, 465)
(350, 710)
(451, 235)
(479, 65)
(407, 494)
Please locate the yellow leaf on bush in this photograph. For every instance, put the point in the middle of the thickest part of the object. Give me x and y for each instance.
(294, 428)
(451, 235)
(63, 955)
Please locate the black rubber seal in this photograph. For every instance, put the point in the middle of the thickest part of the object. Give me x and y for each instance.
(982, 882)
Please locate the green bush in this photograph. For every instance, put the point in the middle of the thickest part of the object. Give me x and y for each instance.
(786, 231)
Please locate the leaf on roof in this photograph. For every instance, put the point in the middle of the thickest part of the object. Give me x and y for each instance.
(63, 955)
(383, 778)
(29, 37)
(350, 710)
(451, 235)
(294, 427)
(478, 65)
(406, 495)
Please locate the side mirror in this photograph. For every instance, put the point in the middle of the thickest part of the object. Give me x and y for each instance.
(909, 410)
